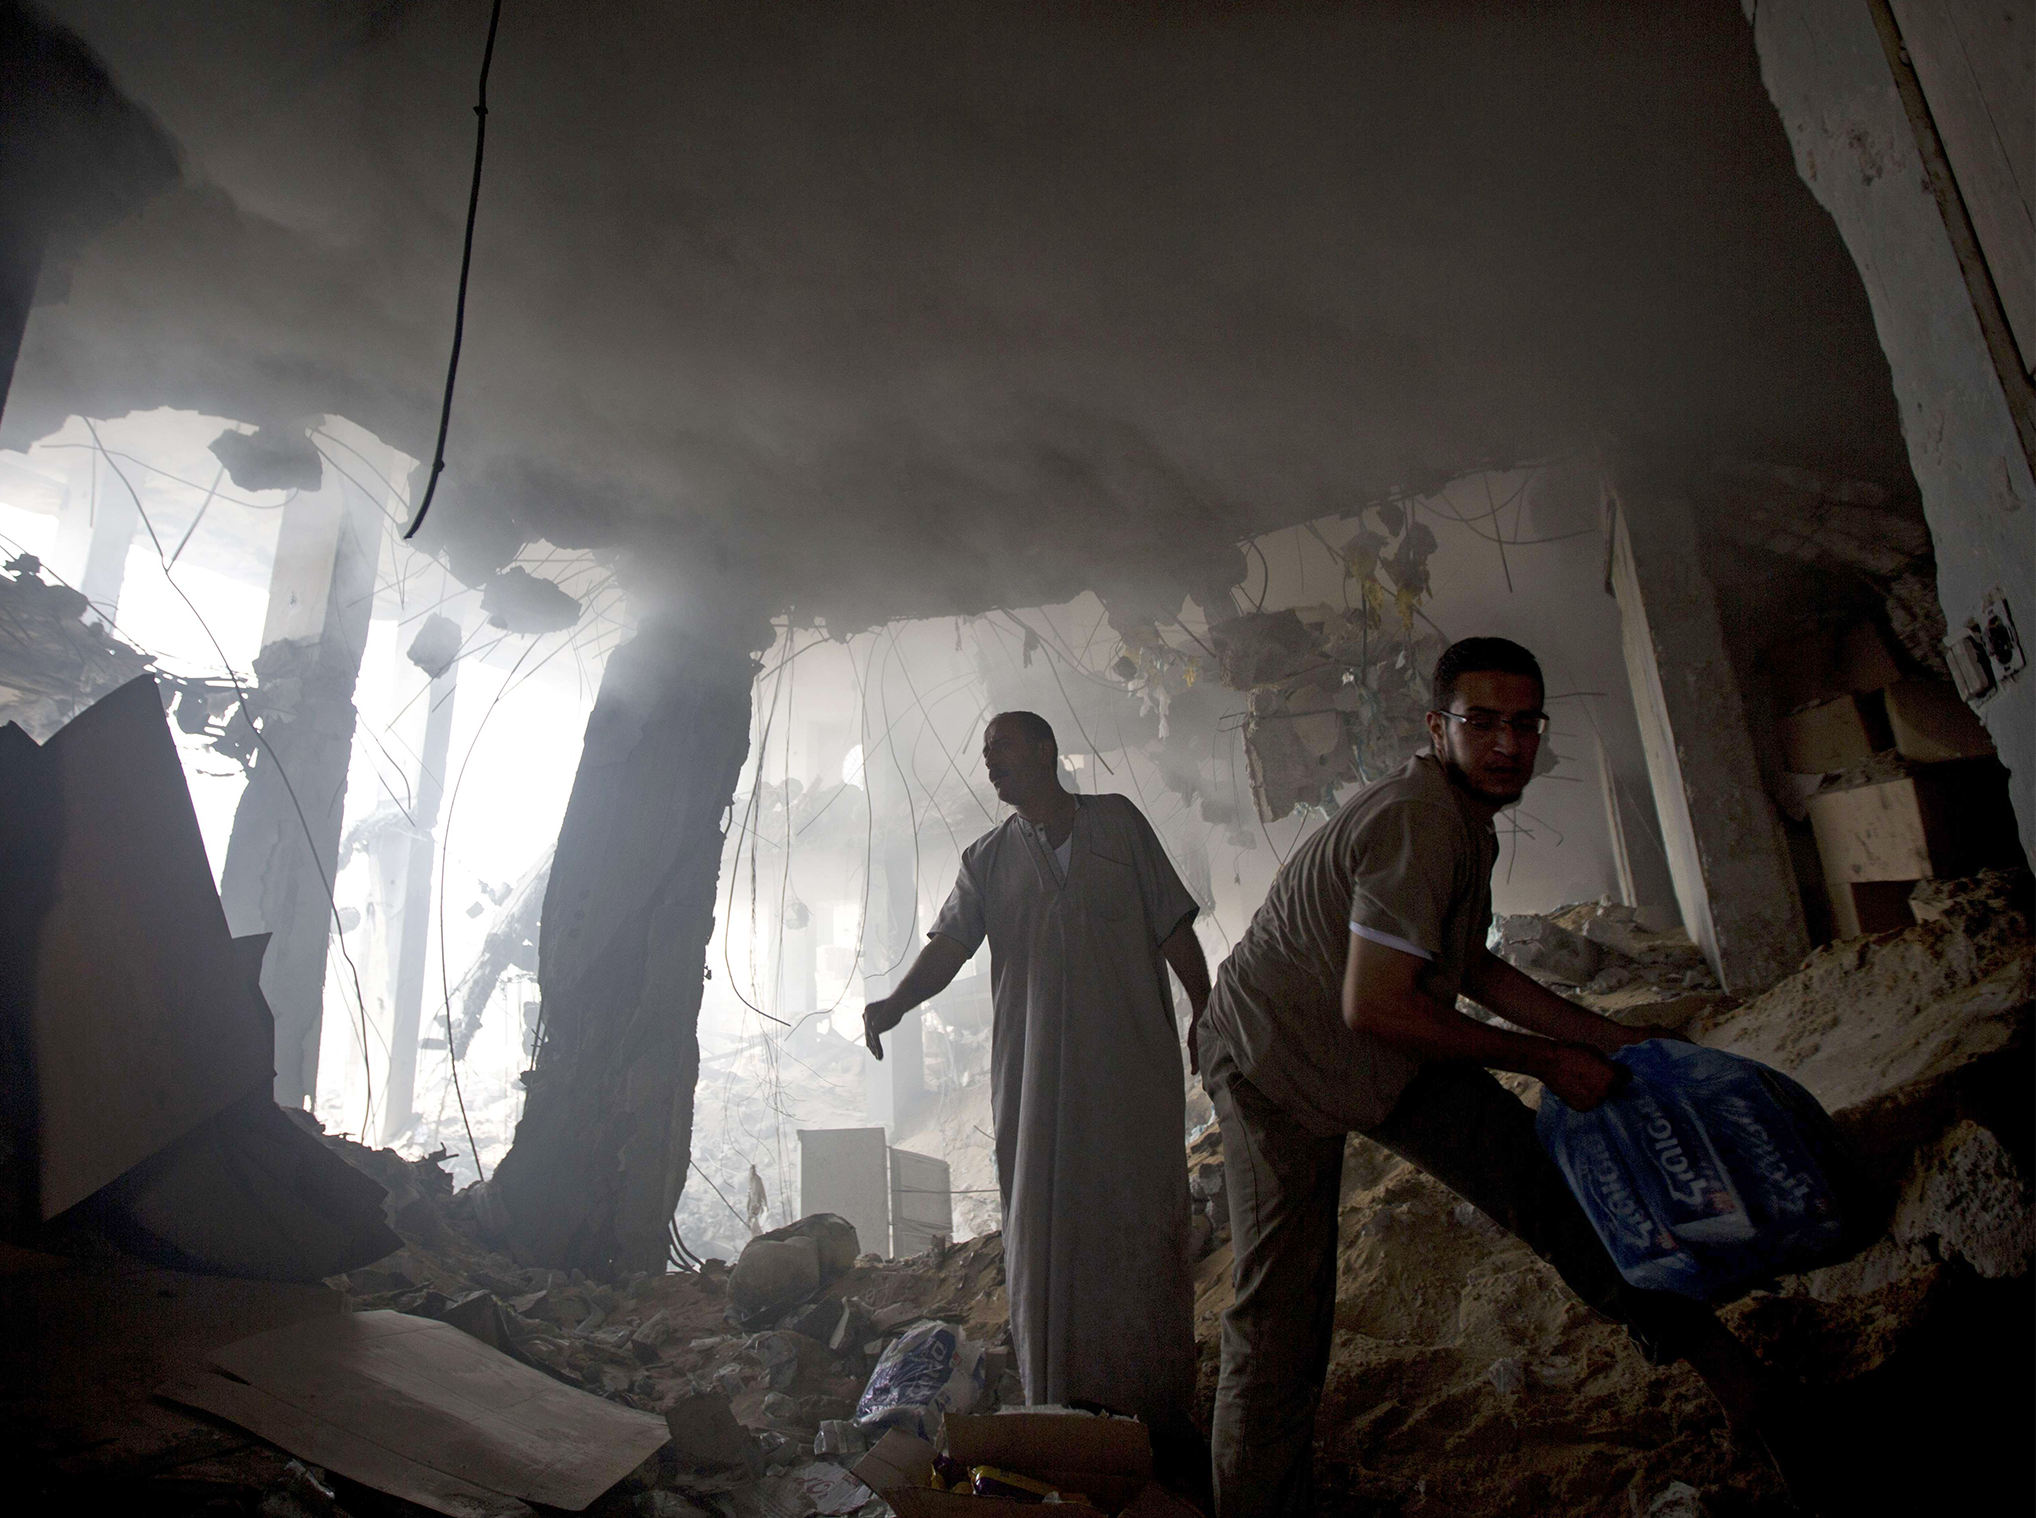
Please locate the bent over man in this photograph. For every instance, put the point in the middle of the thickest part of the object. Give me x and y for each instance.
(1337, 1013)
(1084, 914)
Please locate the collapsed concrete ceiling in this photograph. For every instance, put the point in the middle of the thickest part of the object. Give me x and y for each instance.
(881, 310)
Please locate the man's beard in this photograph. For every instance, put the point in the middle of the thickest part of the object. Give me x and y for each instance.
(1461, 778)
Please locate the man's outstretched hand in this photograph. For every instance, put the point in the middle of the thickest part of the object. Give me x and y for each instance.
(879, 1018)
(1580, 1075)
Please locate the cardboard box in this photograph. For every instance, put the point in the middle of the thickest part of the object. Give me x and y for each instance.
(1861, 661)
(1928, 723)
(1106, 1460)
(1816, 662)
(1836, 735)
(1939, 821)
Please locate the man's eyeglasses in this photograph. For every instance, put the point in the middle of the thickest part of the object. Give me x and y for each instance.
(1487, 724)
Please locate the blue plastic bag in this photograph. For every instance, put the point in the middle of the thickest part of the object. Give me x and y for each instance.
(1706, 1173)
(927, 1373)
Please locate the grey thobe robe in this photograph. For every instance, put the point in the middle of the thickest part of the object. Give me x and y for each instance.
(1088, 1098)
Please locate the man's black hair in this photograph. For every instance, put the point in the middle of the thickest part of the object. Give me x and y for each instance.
(1469, 656)
(1035, 727)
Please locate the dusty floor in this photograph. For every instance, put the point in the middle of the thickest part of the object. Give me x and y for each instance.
(1464, 1380)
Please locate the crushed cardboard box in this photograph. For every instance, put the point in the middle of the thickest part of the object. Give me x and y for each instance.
(1108, 1461)
(1938, 821)
(1928, 723)
(1836, 735)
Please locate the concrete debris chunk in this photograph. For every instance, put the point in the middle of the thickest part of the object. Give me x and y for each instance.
(301, 1493)
(54, 661)
(786, 1266)
(1966, 1193)
(771, 1275)
(1677, 1500)
(1548, 951)
(705, 1435)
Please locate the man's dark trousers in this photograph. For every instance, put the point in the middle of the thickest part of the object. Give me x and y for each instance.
(1457, 1123)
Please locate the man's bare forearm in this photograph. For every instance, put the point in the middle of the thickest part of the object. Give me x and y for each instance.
(938, 963)
(931, 973)
(1183, 950)
(1417, 1024)
(1525, 1002)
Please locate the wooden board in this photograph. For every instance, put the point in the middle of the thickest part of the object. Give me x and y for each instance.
(144, 1022)
(420, 1410)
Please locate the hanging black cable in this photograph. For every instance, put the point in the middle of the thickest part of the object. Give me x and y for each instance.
(459, 314)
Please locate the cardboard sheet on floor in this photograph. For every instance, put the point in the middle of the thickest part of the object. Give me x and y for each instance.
(88, 1342)
(419, 1410)
(142, 1022)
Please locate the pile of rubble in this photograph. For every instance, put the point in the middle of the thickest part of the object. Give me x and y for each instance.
(54, 662)
(759, 1394)
(1608, 957)
(1463, 1378)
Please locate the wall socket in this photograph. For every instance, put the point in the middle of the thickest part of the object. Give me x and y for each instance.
(2004, 644)
(1987, 651)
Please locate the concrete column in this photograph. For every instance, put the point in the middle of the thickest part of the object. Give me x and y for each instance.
(894, 1088)
(95, 528)
(606, 1137)
(284, 847)
(1964, 406)
(403, 862)
(1726, 851)
(1615, 824)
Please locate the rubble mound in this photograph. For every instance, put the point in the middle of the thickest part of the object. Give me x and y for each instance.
(1876, 1026)
(54, 662)
(1465, 1380)
(746, 1397)
(1609, 958)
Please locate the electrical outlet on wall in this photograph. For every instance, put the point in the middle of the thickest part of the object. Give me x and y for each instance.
(2003, 642)
(1987, 651)
(1965, 651)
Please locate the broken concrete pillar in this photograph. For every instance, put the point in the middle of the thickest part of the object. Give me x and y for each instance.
(1726, 852)
(894, 1088)
(95, 528)
(402, 861)
(284, 848)
(1925, 169)
(606, 1136)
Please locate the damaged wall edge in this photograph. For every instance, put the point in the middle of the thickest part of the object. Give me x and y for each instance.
(283, 854)
(1825, 66)
(601, 1152)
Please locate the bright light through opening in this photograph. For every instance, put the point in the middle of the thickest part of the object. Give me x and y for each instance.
(851, 767)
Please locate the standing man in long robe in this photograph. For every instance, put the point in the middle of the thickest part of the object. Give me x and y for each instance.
(1084, 914)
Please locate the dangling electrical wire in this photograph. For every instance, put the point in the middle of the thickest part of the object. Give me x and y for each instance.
(459, 314)
(304, 822)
